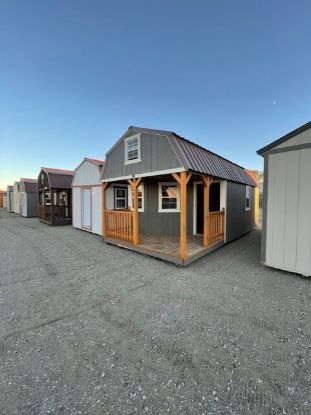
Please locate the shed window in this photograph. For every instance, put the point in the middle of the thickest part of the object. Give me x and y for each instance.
(120, 198)
(169, 199)
(132, 149)
(248, 193)
(47, 198)
(141, 197)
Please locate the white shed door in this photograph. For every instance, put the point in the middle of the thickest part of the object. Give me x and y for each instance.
(288, 241)
(86, 208)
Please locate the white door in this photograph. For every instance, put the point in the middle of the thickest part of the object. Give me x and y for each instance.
(86, 208)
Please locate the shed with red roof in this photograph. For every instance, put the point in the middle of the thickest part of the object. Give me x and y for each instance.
(55, 199)
(87, 196)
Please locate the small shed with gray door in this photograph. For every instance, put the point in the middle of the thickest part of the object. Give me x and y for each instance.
(9, 199)
(28, 197)
(87, 196)
(286, 226)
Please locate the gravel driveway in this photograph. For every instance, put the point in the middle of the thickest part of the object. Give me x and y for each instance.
(88, 328)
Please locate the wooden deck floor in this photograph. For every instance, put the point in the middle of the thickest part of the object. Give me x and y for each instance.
(168, 247)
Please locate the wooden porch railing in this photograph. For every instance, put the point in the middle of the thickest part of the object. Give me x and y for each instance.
(216, 226)
(119, 224)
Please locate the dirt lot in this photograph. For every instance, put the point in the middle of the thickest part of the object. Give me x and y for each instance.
(88, 328)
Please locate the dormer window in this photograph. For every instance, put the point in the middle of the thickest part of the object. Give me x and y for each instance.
(132, 149)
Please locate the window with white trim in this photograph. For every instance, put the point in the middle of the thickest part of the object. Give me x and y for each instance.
(132, 149)
(120, 198)
(141, 198)
(169, 197)
(248, 194)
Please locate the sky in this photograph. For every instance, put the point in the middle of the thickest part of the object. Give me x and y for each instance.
(74, 75)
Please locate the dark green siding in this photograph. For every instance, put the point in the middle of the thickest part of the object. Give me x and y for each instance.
(238, 220)
(152, 222)
(156, 154)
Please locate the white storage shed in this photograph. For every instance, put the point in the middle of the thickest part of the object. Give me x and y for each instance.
(87, 196)
(286, 227)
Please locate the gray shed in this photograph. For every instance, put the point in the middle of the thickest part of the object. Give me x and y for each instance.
(168, 197)
(28, 198)
(9, 199)
(286, 226)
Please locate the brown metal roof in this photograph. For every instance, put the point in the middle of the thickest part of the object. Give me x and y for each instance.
(95, 161)
(198, 159)
(30, 185)
(58, 178)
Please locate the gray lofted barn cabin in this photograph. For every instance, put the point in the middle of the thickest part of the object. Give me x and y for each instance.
(55, 198)
(168, 197)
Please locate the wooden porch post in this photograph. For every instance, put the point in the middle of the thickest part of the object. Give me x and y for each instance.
(183, 180)
(134, 185)
(104, 188)
(206, 183)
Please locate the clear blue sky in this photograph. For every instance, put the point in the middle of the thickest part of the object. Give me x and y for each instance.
(230, 75)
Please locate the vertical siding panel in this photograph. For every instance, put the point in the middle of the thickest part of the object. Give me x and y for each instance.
(279, 209)
(76, 207)
(238, 220)
(270, 209)
(291, 210)
(303, 264)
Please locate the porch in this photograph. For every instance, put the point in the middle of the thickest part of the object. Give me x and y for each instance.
(152, 233)
(168, 247)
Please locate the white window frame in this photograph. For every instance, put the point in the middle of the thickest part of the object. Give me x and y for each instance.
(115, 198)
(160, 184)
(248, 195)
(130, 198)
(126, 140)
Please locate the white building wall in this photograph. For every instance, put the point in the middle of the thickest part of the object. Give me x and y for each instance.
(96, 210)
(87, 174)
(302, 138)
(16, 206)
(76, 207)
(23, 204)
(288, 237)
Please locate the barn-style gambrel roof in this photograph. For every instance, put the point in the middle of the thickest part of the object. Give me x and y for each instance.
(195, 158)
(30, 185)
(59, 178)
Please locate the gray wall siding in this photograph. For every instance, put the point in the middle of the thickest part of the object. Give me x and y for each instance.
(152, 222)
(156, 154)
(32, 205)
(238, 220)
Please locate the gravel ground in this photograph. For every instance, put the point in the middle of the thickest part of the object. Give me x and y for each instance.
(88, 328)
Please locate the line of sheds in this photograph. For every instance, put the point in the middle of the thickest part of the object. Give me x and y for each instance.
(76, 196)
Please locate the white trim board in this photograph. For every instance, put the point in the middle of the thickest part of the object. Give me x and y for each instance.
(149, 174)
